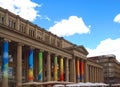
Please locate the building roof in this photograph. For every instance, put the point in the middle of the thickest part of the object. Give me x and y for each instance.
(80, 48)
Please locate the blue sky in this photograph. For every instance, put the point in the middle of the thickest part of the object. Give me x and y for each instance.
(95, 24)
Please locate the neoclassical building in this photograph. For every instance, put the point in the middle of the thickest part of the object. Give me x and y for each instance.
(29, 53)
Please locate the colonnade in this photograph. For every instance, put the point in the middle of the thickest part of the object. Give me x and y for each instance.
(95, 74)
(60, 71)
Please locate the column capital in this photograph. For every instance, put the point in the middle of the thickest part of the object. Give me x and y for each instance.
(20, 44)
(56, 55)
(6, 39)
(62, 56)
(32, 48)
(48, 52)
(41, 50)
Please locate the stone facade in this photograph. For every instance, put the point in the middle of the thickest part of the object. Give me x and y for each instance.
(111, 68)
(29, 53)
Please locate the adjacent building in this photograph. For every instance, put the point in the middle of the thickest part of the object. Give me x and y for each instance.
(29, 53)
(111, 67)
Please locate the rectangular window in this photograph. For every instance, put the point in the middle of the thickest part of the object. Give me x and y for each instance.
(31, 32)
(12, 23)
(2, 18)
(22, 28)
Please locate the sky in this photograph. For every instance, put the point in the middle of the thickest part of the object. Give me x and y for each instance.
(95, 24)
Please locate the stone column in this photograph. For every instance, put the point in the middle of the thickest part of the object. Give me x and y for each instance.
(95, 75)
(67, 69)
(72, 70)
(90, 76)
(91, 73)
(101, 75)
(5, 62)
(19, 65)
(48, 67)
(86, 72)
(98, 75)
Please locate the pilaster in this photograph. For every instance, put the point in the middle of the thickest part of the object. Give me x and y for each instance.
(27, 27)
(6, 18)
(18, 23)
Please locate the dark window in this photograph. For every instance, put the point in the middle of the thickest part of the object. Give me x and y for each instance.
(2, 20)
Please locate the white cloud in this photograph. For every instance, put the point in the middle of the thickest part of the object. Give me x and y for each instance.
(45, 17)
(70, 26)
(107, 46)
(117, 18)
(24, 8)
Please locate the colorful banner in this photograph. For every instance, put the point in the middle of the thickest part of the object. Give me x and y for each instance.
(5, 60)
(78, 70)
(61, 69)
(82, 70)
(30, 76)
(55, 69)
(40, 66)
